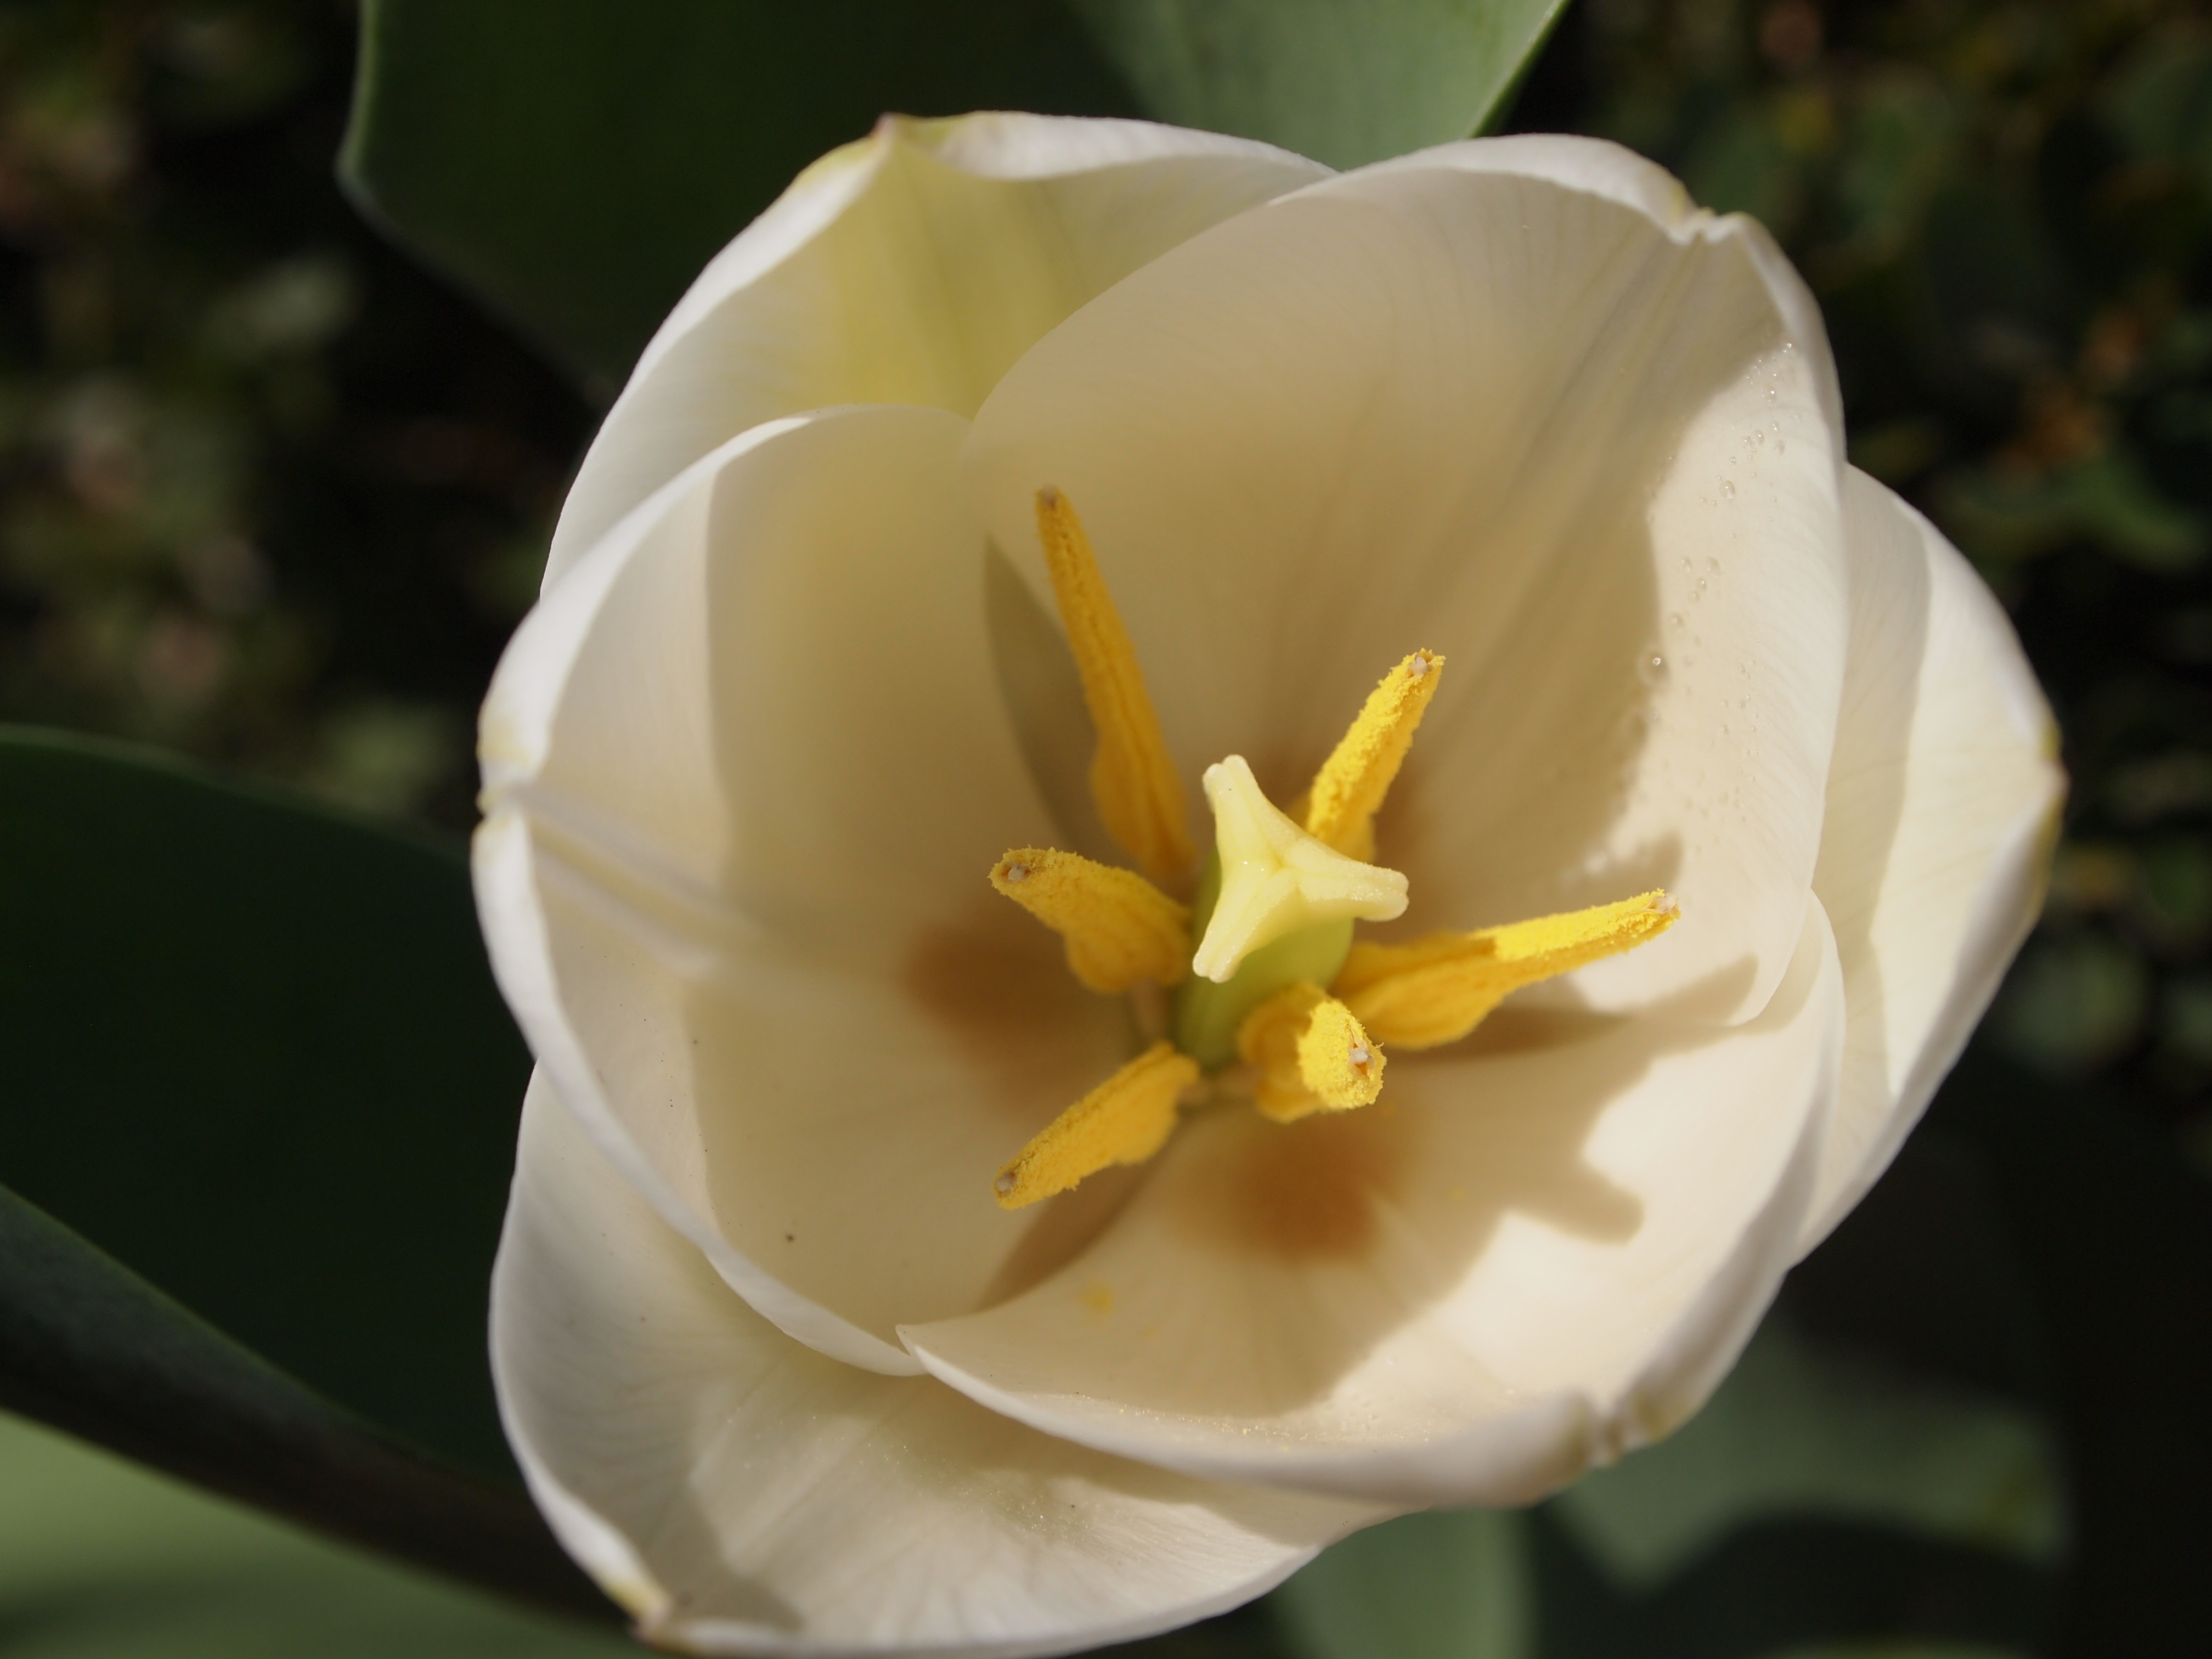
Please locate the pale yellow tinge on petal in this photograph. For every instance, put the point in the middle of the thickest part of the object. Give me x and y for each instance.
(1132, 777)
(1437, 989)
(1348, 790)
(1312, 1054)
(1276, 879)
(1125, 1120)
(1119, 928)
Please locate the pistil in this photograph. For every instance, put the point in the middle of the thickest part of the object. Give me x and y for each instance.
(1276, 997)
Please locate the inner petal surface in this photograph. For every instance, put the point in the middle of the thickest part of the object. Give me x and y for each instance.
(1495, 413)
(1522, 1257)
(743, 776)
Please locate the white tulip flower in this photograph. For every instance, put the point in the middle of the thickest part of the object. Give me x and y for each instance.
(894, 1267)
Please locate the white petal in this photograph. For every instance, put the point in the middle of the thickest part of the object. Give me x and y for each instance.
(1517, 1263)
(912, 267)
(746, 773)
(1942, 806)
(740, 1493)
(1522, 413)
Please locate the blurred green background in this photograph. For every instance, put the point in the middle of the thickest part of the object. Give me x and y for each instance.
(272, 496)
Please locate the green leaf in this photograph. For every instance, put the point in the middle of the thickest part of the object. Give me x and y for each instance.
(100, 1560)
(1457, 1584)
(1800, 1429)
(87, 1346)
(255, 1054)
(576, 161)
(1345, 81)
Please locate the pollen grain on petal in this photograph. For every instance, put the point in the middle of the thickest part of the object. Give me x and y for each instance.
(1133, 778)
(1120, 929)
(1311, 1053)
(1125, 1120)
(1437, 989)
(1349, 788)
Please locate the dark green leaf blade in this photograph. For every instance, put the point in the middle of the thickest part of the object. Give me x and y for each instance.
(1345, 81)
(87, 1346)
(575, 162)
(101, 1559)
(254, 1052)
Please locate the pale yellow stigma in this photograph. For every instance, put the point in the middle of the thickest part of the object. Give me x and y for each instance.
(1119, 928)
(1276, 879)
(1125, 1120)
(1132, 777)
(1349, 788)
(1311, 1053)
(1437, 989)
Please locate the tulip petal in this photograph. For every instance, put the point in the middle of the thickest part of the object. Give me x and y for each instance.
(739, 1493)
(1942, 807)
(747, 772)
(1524, 1258)
(1518, 402)
(912, 267)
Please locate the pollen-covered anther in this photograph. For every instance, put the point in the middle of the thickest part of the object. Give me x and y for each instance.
(1133, 778)
(1439, 988)
(1276, 879)
(1119, 930)
(1349, 788)
(1311, 1055)
(1125, 1120)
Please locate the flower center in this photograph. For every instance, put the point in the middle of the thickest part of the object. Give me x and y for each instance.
(1276, 1005)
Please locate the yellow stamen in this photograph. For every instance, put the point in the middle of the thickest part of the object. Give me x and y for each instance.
(1131, 778)
(1120, 929)
(1276, 879)
(1349, 787)
(1437, 989)
(1125, 1120)
(1311, 1053)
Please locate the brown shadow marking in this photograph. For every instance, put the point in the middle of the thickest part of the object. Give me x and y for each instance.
(994, 979)
(1321, 1192)
(1298, 1192)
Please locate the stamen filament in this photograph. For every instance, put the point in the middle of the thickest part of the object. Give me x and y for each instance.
(1311, 1053)
(1437, 989)
(1132, 776)
(1348, 790)
(1119, 928)
(1125, 1120)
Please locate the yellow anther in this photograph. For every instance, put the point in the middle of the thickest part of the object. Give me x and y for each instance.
(1132, 777)
(1276, 879)
(1437, 989)
(1120, 929)
(1349, 787)
(1125, 1120)
(1311, 1053)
